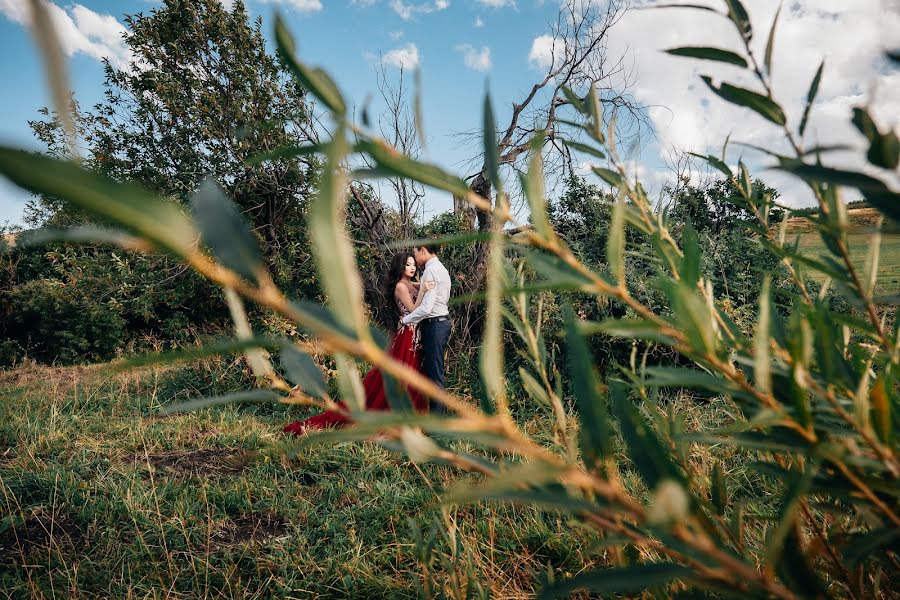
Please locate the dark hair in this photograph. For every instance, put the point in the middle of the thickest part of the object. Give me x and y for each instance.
(431, 245)
(394, 275)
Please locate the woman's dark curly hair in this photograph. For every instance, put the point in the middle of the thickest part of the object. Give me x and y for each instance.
(394, 275)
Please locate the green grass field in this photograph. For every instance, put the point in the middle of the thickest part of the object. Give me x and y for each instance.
(101, 498)
(888, 266)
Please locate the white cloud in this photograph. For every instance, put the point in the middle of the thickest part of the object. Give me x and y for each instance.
(849, 35)
(407, 10)
(543, 50)
(478, 22)
(395, 35)
(475, 59)
(299, 5)
(406, 57)
(363, 2)
(497, 3)
(80, 30)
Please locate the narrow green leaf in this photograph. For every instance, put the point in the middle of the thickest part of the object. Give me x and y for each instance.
(811, 97)
(334, 252)
(245, 396)
(738, 14)
(715, 162)
(763, 105)
(130, 206)
(491, 361)
(557, 271)
(225, 232)
(534, 187)
(707, 53)
(396, 164)
(594, 433)
(459, 238)
(315, 80)
(771, 41)
(619, 580)
(491, 152)
(861, 546)
(215, 348)
(615, 243)
(596, 128)
(718, 490)
(587, 149)
(762, 375)
(609, 176)
(797, 489)
(576, 102)
(626, 328)
(690, 263)
(533, 388)
(651, 458)
(884, 148)
(694, 6)
(303, 371)
(397, 394)
(81, 234)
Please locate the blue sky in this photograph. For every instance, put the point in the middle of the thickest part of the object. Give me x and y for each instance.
(350, 37)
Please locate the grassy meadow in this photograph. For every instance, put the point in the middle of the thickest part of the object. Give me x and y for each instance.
(101, 498)
(860, 240)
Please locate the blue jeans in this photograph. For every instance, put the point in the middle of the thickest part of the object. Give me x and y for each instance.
(435, 335)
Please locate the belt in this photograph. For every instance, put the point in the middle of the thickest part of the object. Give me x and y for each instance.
(436, 319)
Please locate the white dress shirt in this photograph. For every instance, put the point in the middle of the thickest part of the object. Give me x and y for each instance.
(434, 304)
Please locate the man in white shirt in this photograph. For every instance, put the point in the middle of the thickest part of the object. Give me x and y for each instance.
(432, 315)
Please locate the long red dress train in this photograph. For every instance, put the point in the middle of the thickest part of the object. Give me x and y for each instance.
(404, 348)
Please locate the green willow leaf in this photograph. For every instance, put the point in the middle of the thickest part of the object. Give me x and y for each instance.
(556, 271)
(738, 14)
(811, 97)
(215, 348)
(715, 162)
(585, 148)
(334, 252)
(861, 546)
(128, 205)
(690, 263)
(397, 394)
(448, 240)
(708, 53)
(884, 148)
(491, 151)
(763, 105)
(718, 489)
(315, 80)
(615, 243)
(576, 102)
(225, 231)
(595, 438)
(770, 43)
(651, 458)
(245, 396)
(619, 580)
(533, 184)
(627, 328)
(395, 164)
(490, 360)
(609, 176)
(302, 370)
(762, 375)
(79, 235)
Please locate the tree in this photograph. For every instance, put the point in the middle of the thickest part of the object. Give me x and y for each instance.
(578, 59)
(199, 98)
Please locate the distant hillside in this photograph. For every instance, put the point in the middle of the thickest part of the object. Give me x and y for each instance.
(861, 220)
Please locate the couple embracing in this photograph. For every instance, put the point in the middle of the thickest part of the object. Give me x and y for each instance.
(420, 312)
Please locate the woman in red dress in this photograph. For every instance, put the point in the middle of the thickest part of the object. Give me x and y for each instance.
(405, 346)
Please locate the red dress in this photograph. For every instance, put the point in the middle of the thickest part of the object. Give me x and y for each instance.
(405, 348)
